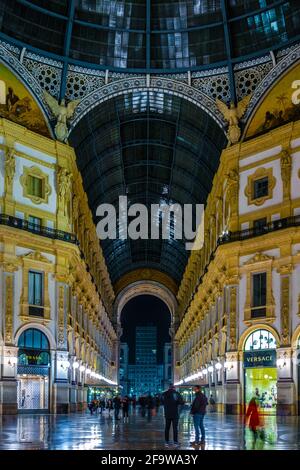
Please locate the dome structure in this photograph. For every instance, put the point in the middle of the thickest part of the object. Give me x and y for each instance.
(151, 35)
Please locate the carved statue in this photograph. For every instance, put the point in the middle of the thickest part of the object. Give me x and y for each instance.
(62, 113)
(10, 167)
(233, 115)
(64, 187)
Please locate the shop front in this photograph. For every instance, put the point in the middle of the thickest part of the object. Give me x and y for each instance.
(101, 392)
(260, 371)
(33, 373)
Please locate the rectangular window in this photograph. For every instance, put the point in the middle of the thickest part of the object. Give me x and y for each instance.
(35, 186)
(260, 188)
(259, 295)
(35, 293)
(34, 222)
(260, 225)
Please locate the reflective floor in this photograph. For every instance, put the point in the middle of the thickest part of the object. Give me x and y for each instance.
(83, 431)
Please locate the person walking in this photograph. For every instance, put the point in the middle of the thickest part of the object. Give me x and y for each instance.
(109, 406)
(171, 401)
(198, 410)
(255, 421)
(117, 406)
(150, 406)
(125, 407)
(212, 403)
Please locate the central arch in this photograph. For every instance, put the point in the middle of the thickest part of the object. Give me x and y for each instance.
(145, 287)
(141, 288)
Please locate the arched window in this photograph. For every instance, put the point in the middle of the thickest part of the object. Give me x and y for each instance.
(33, 348)
(260, 340)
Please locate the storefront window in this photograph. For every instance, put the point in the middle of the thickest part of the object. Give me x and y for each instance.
(260, 339)
(261, 371)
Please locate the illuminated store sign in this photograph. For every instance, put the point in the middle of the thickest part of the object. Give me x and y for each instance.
(260, 358)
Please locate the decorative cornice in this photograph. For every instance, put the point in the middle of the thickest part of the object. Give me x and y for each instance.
(148, 275)
(36, 256)
(258, 258)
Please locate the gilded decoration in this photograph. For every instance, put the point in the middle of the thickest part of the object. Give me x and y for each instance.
(285, 310)
(232, 116)
(146, 274)
(259, 174)
(61, 315)
(9, 313)
(233, 318)
(277, 108)
(18, 105)
(35, 172)
(286, 173)
(10, 168)
(64, 180)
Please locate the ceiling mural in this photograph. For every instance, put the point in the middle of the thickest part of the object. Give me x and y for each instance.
(18, 105)
(279, 107)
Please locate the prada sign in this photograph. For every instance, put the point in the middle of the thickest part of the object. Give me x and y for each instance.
(260, 358)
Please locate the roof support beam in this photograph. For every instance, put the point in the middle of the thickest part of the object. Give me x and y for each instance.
(67, 44)
(228, 51)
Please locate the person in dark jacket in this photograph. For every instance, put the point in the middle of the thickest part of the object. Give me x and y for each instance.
(171, 401)
(198, 410)
(117, 406)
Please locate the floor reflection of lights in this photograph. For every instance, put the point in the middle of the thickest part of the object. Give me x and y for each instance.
(85, 432)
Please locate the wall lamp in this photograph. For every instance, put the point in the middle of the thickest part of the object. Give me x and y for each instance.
(218, 366)
(12, 360)
(65, 365)
(281, 363)
(75, 365)
(228, 365)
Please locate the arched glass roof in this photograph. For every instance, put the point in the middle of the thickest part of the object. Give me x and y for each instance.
(151, 34)
(154, 148)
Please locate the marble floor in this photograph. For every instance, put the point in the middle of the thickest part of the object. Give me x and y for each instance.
(85, 431)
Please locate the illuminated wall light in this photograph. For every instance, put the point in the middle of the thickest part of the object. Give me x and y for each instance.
(281, 363)
(228, 365)
(82, 368)
(218, 366)
(75, 365)
(210, 369)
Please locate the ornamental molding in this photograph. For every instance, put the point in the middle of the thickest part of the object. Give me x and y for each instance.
(267, 83)
(36, 256)
(14, 65)
(258, 258)
(157, 84)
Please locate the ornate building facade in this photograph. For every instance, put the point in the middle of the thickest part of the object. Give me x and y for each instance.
(56, 295)
(104, 99)
(239, 297)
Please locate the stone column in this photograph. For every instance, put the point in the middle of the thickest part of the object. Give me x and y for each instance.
(61, 385)
(8, 382)
(74, 388)
(61, 401)
(233, 391)
(286, 393)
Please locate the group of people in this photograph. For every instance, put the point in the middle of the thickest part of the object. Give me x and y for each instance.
(115, 404)
(172, 402)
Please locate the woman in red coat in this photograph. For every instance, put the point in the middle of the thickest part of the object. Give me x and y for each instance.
(255, 420)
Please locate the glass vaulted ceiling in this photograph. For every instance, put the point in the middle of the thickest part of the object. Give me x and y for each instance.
(151, 34)
(154, 148)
